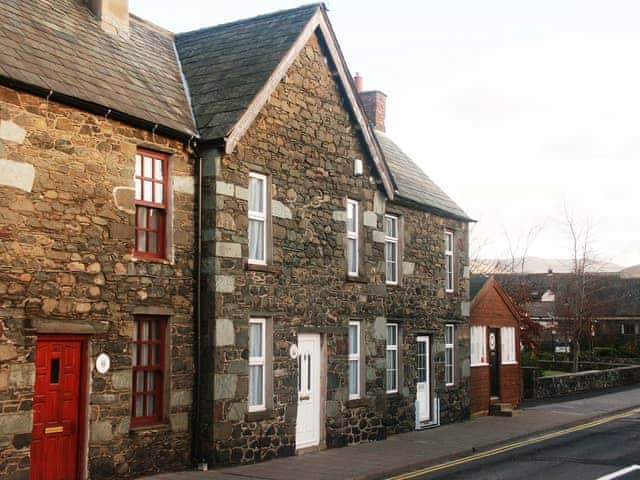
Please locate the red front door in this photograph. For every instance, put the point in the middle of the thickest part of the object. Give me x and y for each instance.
(56, 408)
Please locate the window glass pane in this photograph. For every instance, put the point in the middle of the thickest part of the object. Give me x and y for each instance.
(255, 385)
(256, 194)
(139, 406)
(391, 227)
(351, 217)
(151, 406)
(155, 330)
(158, 192)
(148, 164)
(157, 172)
(353, 339)
(147, 194)
(145, 330)
(448, 334)
(151, 382)
(142, 217)
(139, 381)
(134, 353)
(54, 376)
(256, 240)
(141, 244)
(353, 377)
(155, 354)
(153, 242)
(255, 340)
(138, 184)
(351, 255)
(391, 335)
(138, 165)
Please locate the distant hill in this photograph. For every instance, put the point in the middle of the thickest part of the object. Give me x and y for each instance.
(631, 272)
(542, 265)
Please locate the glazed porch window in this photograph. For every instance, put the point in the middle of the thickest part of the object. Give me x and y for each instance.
(354, 360)
(448, 260)
(392, 357)
(148, 369)
(257, 364)
(449, 349)
(479, 346)
(391, 248)
(352, 237)
(258, 218)
(151, 204)
(508, 345)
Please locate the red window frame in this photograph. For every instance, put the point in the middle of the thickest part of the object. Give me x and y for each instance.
(154, 208)
(151, 371)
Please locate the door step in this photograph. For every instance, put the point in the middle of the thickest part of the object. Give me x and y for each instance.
(501, 410)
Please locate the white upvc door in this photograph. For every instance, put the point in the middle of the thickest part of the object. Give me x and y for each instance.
(423, 383)
(309, 364)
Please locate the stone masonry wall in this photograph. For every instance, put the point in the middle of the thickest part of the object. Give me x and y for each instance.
(305, 140)
(66, 266)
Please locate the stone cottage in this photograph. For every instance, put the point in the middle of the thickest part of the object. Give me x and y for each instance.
(210, 249)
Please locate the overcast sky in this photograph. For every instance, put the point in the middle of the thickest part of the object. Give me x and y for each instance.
(517, 109)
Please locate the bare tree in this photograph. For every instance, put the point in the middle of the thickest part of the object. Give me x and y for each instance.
(519, 247)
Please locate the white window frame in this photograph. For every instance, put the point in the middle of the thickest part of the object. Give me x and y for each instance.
(477, 359)
(259, 361)
(450, 346)
(508, 346)
(448, 262)
(388, 239)
(355, 357)
(353, 235)
(392, 348)
(259, 217)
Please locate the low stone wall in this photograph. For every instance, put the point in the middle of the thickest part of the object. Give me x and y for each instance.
(549, 387)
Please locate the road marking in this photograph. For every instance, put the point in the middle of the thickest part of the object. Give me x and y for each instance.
(513, 446)
(620, 473)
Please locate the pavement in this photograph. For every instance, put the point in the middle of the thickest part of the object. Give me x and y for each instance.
(409, 451)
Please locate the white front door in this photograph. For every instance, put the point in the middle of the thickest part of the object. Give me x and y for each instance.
(308, 420)
(423, 387)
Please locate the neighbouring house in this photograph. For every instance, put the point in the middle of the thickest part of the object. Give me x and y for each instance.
(210, 250)
(612, 308)
(495, 348)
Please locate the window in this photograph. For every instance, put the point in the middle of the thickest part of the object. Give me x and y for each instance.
(257, 218)
(352, 237)
(448, 260)
(151, 203)
(354, 360)
(628, 329)
(392, 357)
(449, 339)
(148, 369)
(508, 345)
(391, 248)
(478, 346)
(257, 364)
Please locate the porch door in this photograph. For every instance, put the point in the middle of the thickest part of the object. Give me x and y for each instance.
(423, 383)
(55, 443)
(494, 362)
(309, 365)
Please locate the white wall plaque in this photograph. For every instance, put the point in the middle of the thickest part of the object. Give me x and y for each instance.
(293, 351)
(103, 362)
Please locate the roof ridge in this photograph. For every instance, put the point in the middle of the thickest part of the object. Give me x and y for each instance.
(251, 19)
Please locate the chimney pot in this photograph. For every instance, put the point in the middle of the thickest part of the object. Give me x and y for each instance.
(358, 81)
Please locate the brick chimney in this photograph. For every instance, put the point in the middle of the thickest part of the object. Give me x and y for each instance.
(113, 15)
(374, 103)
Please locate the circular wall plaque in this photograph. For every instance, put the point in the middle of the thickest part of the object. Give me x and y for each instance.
(103, 362)
(492, 341)
(293, 351)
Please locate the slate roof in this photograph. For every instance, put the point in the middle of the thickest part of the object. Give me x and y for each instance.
(413, 184)
(227, 65)
(59, 45)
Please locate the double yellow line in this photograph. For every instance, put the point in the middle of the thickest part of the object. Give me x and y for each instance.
(513, 446)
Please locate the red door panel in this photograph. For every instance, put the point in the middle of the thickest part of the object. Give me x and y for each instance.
(56, 409)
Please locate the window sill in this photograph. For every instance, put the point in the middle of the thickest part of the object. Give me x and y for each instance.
(149, 429)
(449, 385)
(509, 363)
(358, 402)
(357, 279)
(256, 267)
(259, 415)
(138, 258)
(479, 365)
(393, 395)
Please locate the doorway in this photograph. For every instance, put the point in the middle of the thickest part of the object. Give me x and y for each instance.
(58, 406)
(309, 391)
(494, 362)
(423, 378)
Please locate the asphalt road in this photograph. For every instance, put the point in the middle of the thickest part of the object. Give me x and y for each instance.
(585, 455)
